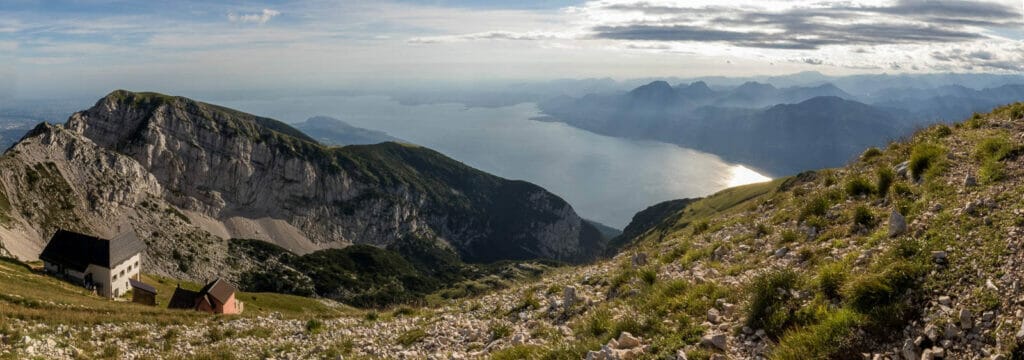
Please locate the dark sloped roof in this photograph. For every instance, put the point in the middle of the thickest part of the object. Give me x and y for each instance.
(183, 299)
(142, 286)
(124, 246)
(219, 289)
(77, 251)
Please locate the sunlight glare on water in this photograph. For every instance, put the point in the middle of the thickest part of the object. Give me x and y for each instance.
(740, 175)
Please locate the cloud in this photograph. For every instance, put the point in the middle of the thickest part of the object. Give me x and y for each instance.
(257, 18)
(490, 35)
(850, 33)
(806, 28)
(813, 61)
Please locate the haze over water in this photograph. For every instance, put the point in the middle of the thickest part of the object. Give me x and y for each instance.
(605, 179)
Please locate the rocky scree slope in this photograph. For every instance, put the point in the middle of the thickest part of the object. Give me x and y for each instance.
(188, 175)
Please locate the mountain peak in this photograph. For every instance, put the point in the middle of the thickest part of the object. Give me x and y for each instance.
(698, 89)
(657, 91)
(699, 85)
(754, 86)
(124, 114)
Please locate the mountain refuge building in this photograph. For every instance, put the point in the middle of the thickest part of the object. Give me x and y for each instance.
(102, 265)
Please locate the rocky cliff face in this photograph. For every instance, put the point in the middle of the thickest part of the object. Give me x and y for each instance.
(238, 175)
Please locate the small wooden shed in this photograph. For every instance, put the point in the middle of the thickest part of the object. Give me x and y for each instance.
(142, 293)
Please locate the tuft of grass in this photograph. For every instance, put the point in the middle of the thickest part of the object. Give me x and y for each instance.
(833, 337)
(996, 148)
(862, 216)
(878, 293)
(942, 131)
(649, 275)
(371, 316)
(884, 181)
(831, 278)
(404, 310)
(518, 352)
(975, 122)
(314, 326)
(771, 301)
(924, 156)
(411, 337)
(700, 227)
(870, 153)
(598, 323)
(858, 186)
(528, 302)
(815, 206)
(790, 236)
(500, 330)
(991, 171)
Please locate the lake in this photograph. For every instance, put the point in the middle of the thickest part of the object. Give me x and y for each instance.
(604, 178)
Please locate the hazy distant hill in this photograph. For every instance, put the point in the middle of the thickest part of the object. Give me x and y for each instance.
(814, 128)
(332, 131)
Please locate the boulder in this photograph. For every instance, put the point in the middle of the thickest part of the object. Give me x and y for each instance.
(713, 316)
(719, 341)
(897, 224)
(969, 180)
(640, 259)
(568, 297)
(909, 350)
(902, 169)
(681, 354)
(966, 319)
(627, 341)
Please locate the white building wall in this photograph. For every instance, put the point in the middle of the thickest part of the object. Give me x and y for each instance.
(115, 281)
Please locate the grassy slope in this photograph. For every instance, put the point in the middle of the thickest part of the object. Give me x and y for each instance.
(857, 287)
(28, 295)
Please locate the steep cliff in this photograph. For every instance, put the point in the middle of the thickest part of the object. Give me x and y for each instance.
(233, 174)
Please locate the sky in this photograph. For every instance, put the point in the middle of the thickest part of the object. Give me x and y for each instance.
(79, 47)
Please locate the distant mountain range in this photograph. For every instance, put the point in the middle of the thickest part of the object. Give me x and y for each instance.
(779, 131)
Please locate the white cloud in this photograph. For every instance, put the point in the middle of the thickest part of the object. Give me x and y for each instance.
(493, 35)
(257, 18)
(853, 34)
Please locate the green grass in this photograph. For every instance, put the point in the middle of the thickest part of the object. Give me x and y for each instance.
(923, 157)
(771, 302)
(831, 338)
(858, 186)
(39, 298)
(885, 178)
(996, 148)
(870, 153)
(411, 337)
(726, 201)
(831, 278)
(863, 216)
(815, 206)
(258, 303)
(314, 326)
